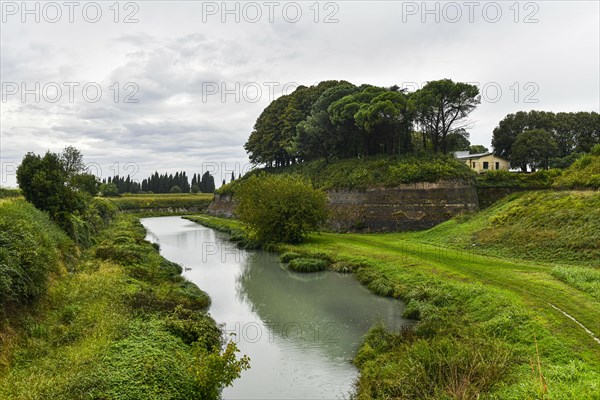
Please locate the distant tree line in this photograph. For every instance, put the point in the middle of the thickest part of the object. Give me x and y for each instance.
(336, 119)
(541, 139)
(160, 183)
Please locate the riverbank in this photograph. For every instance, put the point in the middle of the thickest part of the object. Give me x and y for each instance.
(119, 322)
(488, 326)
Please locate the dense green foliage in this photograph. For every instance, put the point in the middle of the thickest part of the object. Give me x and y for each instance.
(8, 192)
(370, 172)
(280, 208)
(584, 173)
(572, 132)
(31, 248)
(109, 189)
(336, 119)
(533, 148)
(124, 325)
(541, 179)
(163, 183)
(205, 184)
(43, 181)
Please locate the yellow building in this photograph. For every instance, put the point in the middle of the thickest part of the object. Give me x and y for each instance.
(483, 162)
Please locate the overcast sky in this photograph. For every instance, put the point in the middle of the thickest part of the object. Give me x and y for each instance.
(183, 82)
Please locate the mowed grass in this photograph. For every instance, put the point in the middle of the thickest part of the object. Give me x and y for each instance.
(491, 322)
(148, 202)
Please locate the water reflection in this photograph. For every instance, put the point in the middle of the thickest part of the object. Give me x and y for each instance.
(300, 330)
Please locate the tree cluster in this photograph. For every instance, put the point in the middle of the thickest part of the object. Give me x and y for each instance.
(57, 183)
(336, 119)
(160, 183)
(204, 183)
(541, 139)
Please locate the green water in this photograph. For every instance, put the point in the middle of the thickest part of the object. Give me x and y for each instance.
(300, 330)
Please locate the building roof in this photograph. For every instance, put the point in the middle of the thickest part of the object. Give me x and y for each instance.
(464, 155)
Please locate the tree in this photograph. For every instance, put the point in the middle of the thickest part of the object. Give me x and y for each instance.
(175, 189)
(533, 148)
(72, 161)
(109, 189)
(195, 188)
(207, 183)
(87, 183)
(512, 125)
(44, 182)
(478, 149)
(280, 208)
(442, 108)
(458, 141)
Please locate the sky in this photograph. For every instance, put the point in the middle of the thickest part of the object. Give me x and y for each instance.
(148, 86)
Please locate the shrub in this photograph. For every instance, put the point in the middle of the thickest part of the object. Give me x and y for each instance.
(175, 189)
(307, 265)
(194, 327)
(280, 208)
(30, 246)
(289, 256)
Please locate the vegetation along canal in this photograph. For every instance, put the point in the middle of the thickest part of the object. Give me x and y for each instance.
(299, 330)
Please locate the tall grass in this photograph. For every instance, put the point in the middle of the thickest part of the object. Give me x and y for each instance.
(124, 325)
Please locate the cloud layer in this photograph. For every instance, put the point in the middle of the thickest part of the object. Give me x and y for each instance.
(181, 89)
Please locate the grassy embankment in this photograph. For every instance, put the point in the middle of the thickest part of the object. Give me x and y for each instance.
(370, 172)
(114, 320)
(489, 318)
(147, 205)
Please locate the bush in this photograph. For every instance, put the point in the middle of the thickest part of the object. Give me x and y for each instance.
(30, 246)
(280, 208)
(584, 173)
(194, 327)
(109, 189)
(307, 264)
(289, 256)
(175, 189)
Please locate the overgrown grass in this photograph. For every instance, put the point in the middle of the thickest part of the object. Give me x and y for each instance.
(542, 179)
(548, 226)
(486, 325)
(32, 248)
(584, 173)
(372, 172)
(124, 325)
(586, 279)
(159, 202)
(307, 265)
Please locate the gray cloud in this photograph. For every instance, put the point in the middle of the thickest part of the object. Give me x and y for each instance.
(171, 55)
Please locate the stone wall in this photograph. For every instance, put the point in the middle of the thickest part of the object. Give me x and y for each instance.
(405, 207)
(221, 206)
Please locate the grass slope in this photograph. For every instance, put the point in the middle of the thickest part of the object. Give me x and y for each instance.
(488, 327)
(561, 226)
(371, 172)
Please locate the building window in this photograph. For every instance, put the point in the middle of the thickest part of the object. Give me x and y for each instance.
(497, 165)
(486, 165)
